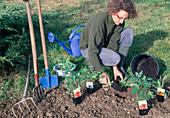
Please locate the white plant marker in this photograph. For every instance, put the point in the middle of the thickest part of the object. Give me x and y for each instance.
(77, 93)
(142, 105)
(105, 87)
(160, 91)
(89, 85)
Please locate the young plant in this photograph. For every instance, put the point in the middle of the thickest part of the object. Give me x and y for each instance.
(92, 82)
(64, 67)
(141, 85)
(125, 82)
(66, 64)
(119, 85)
(72, 82)
(75, 80)
(78, 79)
(160, 83)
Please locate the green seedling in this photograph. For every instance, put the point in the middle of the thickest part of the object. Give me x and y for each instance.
(78, 79)
(66, 64)
(160, 83)
(125, 83)
(141, 85)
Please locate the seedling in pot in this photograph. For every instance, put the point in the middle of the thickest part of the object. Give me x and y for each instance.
(77, 96)
(64, 68)
(141, 85)
(66, 64)
(116, 85)
(76, 80)
(120, 85)
(72, 85)
(160, 94)
(72, 82)
(90, 87)
(91, 81)
(125, 83)
(143, 107)
(161, 91)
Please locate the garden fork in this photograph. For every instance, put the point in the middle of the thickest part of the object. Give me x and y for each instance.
(38, 93)
(26, 106)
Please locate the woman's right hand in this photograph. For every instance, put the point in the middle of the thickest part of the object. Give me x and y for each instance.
(105, 79)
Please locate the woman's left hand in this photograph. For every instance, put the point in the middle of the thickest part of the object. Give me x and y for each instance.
(117, 73)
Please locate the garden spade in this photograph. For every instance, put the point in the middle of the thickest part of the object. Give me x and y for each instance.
(26, 106)
(47, 81)
(37, 91)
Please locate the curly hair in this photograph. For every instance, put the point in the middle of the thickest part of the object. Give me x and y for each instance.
(126, 5)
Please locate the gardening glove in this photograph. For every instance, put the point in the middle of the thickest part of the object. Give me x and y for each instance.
(105, 79)
(117, 73)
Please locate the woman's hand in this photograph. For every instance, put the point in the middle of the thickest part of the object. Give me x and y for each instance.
(117, 73)
(105, 79)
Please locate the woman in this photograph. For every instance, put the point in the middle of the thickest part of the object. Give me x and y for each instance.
(105, 42)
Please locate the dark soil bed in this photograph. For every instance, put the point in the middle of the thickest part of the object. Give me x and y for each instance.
(100, 104)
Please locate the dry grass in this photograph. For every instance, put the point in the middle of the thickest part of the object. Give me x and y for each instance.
(48, 5)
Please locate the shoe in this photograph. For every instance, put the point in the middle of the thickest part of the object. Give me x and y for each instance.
(123, 51)
(125, 74)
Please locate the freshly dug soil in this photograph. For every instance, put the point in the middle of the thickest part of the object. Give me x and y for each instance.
(148, 66)
(100, 104)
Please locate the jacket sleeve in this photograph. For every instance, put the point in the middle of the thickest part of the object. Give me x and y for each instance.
(95, 38)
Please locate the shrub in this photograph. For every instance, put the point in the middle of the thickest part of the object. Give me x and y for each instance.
(15, 44)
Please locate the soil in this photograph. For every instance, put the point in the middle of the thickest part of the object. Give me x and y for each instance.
(149, 67)
(99, 104)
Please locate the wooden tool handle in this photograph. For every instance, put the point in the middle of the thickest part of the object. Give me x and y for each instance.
(42, 35)
(33, 44)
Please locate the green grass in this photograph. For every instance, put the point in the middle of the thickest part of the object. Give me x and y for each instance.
(151, 29)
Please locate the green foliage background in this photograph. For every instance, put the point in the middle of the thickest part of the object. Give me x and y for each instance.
(151, 29)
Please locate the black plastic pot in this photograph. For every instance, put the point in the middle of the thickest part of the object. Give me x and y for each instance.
(96, 87)
(160, 98)
(77, 100)
(160, 94)
(90, 90)
(143, 111)
(116, 85)
(146, 63)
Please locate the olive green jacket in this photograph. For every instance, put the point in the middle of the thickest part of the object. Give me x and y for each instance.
(100, 31)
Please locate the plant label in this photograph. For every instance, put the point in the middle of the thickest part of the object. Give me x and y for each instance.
(89, 85)
(105, 87)
(143, 105)
(77, 93)
(160, 91)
